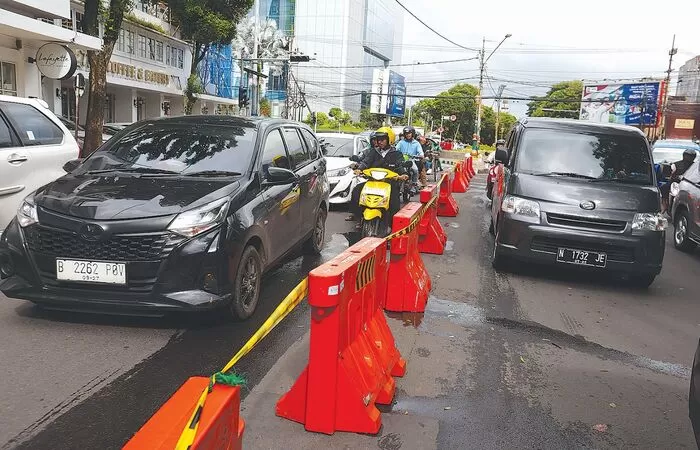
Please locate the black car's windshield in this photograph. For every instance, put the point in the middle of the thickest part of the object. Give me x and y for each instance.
(175, 148)
(591, 156)
(338, 147)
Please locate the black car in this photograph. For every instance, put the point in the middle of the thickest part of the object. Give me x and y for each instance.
(686, 209)
(693, 398)
(579, 193)
(171, 214)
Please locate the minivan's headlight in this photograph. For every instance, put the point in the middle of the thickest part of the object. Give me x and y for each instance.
(522, 207)
(649, 222)
(339, 172)
(26, 214)
(195, 221)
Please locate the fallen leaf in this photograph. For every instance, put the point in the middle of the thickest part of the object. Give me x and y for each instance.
(447, 408)
(613, 405)
(601, 427)
(405, 413)
(522, 360)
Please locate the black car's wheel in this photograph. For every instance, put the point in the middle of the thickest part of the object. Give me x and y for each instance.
(489, 190)
(314, 244)
(642, 281)
(680, 233)
(370, 228)
(246, 288)
(498, 261)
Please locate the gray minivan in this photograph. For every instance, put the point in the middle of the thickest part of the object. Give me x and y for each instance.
(579, 193)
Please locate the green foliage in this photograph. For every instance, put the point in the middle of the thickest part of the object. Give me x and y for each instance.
(265, 107)
(558, 101)
(505, 123)
(346, 118)
(144, 23)
(371, 121)
(194, 87)
(322, 119)
(335, 113)
(459, 100)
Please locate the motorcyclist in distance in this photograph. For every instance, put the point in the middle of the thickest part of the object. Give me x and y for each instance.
(410, 147)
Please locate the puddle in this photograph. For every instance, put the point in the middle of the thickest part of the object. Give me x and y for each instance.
(459, 313)
(451, 224)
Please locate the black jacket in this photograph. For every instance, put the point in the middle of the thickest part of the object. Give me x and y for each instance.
(393, 161)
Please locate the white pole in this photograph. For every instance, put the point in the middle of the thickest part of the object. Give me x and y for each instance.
(255, 104)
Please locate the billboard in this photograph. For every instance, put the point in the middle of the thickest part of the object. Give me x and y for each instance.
(397, 95)
(388, 93)
(627, 104)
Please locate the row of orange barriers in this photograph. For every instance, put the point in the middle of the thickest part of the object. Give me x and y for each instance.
(353, 358)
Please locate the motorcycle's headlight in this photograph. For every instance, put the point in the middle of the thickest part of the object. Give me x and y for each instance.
(649, 222)
(339, 172)
(378, 175)
(521, 208)
(26, 214)
(675, 189)
(195, 221)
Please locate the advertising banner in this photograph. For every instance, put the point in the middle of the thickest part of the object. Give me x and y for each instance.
(380, 87)
(397, 95)
(627, 104)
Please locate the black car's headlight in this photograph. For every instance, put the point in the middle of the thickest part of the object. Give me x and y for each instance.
(26, 214)
(196, 221)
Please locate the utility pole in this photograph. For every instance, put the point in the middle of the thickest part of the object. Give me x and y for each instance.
(255, 101)
(671, 54)
(410, 109)
(482, 68)
(498, 109)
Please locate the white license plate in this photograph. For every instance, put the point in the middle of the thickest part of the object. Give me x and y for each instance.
(91, 271)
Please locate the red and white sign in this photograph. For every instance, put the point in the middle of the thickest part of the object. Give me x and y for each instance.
(453, 118)
(440, 130)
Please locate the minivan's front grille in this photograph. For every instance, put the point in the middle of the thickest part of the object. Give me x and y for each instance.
(617, 253)
(586, 222)
(125, 247)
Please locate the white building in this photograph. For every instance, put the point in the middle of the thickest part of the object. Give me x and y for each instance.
(348, 39)
(689, 80)
(146, 76)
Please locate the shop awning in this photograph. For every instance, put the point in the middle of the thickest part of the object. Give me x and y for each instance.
(26, 28)
(215, 99)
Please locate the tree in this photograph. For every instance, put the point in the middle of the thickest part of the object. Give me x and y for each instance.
(459, 100)
(563, 100)
(335, 113)
(506, 121)
(370, 120)
(111, 16)
(265, 107)
(346, 118)
(203, 23)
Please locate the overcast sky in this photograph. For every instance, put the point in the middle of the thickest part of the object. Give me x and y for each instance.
(552, 41)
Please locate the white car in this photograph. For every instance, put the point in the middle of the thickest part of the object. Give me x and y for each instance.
(338, 148)
(34, 146)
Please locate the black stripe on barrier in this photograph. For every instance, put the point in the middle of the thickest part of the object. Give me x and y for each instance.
(414, 223)
(365, 273)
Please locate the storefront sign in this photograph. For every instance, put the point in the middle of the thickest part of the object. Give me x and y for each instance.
(136, 73)
(56, 61)
(685, 124)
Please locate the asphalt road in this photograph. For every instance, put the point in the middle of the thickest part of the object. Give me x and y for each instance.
(550, 352)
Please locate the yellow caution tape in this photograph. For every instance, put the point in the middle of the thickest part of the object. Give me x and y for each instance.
(287, 306)
(414, 223)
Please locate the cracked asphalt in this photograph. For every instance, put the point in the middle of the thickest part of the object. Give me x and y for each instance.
(537, 358)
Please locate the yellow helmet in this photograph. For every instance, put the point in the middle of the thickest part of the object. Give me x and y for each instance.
(389, 132)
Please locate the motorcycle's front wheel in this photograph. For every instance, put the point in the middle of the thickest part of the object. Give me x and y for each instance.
(370, 228)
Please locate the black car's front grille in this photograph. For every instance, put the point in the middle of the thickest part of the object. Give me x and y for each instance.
(126, 247)
(617, 253)
(587, 223)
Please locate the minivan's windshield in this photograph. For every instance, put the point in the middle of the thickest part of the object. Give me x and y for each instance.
(591, 156)
(338, 147)
(173, 148)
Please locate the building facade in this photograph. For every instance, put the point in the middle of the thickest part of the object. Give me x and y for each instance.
(689, 81)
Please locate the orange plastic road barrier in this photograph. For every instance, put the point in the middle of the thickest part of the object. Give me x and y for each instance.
(431, 235)
(352, 353)
(409, 283)
(220, 423)
(460, 182)
(469, 162)
(447, 206)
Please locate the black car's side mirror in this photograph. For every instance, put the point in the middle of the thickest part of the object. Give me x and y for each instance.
(501, 156)
(279, 175)
(72, 165)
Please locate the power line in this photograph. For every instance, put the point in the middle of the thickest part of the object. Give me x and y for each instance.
(403, 65)
(435, 31)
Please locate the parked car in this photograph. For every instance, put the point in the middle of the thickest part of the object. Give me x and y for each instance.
(181, 213)
(686, 209)
(668, 151)
(579, 193)
(114, 127)
(338, 148)
(34, 146)
(694, 397)
(70, 125)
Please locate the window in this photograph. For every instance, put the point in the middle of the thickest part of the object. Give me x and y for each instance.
(130, 48)
(274, 153)
(311, 142)
(142, 46)
(167, 55)
(5, 136)
(8, 79)
(180, 58)
(297, 150)
(159, 51)
(341, 147)
(33, 127)
(692, 174)
(151, 48)
(121, 40)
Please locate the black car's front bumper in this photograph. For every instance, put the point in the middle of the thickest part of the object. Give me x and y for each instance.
(165, 272)
(636, 253)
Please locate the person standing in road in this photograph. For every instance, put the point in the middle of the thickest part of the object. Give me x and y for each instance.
(410, 147)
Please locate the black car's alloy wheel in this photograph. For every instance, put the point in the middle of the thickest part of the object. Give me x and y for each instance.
(680, 233)
(314, 244)
(246, 289)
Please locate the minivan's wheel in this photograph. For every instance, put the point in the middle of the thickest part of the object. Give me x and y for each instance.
(642, 281)
(680, 233)
(498, 261)
(370, 228)
(246, 288)
(314, 244)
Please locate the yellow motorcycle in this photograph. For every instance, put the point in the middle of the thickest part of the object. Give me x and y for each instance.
(374, 197)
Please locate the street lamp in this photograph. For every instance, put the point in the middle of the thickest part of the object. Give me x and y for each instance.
(482, 66)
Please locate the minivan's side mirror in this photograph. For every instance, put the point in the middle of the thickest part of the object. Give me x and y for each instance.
(72, 165)
(501, 156)
(355, 158)
(279, 175)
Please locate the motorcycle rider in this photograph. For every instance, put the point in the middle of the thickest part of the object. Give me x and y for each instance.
(383, 155)
(678, 169)
(410, 147)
